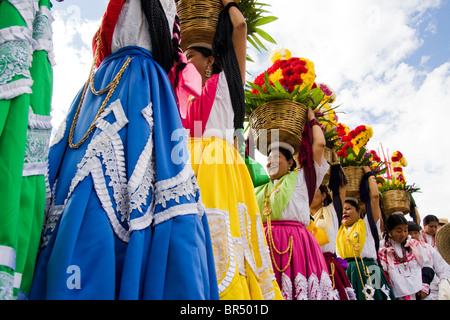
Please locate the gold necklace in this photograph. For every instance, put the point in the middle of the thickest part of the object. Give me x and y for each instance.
(267, 211)
(110, 88)
(357, 247)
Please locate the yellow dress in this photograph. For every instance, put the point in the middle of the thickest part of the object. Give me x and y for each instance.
(243, 266)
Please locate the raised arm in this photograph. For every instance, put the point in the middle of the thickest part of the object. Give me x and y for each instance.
(374, 195)
(239, 36)
(318, 145)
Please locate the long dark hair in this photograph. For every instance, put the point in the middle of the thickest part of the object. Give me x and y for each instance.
(323, 189)
(430, 218)
(224, 54)
(391, 222)
(162, 50)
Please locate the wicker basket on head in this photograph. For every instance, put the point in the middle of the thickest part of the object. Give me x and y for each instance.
(283, 117)
(198, 20)
(354, 176)
(395, 200)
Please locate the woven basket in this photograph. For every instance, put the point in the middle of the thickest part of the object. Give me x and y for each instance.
(354, 176)
(198, 20)
(395, 200)
(286, 116)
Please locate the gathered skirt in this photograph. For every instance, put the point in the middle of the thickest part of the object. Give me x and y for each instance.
(125, 218)
(241, 255)
(306, 275)
(341, 283)
(368, 280)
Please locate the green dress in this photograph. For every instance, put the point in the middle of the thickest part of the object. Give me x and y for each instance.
(26, 81)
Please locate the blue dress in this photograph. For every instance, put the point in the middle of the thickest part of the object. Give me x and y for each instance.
(125, 218)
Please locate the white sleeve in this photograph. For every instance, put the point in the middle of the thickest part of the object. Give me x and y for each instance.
(321, 171)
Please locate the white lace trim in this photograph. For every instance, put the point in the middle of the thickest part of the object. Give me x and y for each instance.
(264, 273)
(16, 57)
(27, 9)
(37, 147)
(37, 121)
(52, 215)
(42, 33)
(246, 231)
(15, 88)
(308, 289)
(8, 257)
(179, 210)
(16, 33)
(132, 195)
(350, 293)
(222, 243)
(6, 286)
(183, 175)
(59, 133)
(108, 145)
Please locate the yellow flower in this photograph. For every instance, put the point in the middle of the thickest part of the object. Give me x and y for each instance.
(277, 75)
(403, 162)
(280, 54)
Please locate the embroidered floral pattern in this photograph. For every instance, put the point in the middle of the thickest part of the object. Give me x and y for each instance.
(15, 60)
(222, 243)
(6, 286)
(37, 146)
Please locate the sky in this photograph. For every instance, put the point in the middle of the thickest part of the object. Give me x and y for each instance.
(387, 60)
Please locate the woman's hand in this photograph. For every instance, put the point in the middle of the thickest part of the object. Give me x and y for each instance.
(366, 169)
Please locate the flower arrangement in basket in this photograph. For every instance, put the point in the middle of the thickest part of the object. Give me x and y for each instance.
(279, 97)
(199, 18)
(353, 155)
(396, 194)
(329, 120)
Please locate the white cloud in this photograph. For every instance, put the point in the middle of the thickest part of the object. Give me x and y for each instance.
(72, 37)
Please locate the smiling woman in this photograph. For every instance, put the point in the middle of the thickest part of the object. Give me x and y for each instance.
(299, 264)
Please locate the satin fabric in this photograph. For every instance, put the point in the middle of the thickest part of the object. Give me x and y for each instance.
(162, 248)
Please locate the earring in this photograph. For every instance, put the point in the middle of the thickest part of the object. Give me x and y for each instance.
(208, 72)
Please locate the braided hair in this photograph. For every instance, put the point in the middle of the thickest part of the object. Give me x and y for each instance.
(162, 50)
(225, 56)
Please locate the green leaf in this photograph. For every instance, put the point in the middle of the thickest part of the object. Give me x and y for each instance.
(256, 39)
(265, 35)
(249, 39)
(265, 20)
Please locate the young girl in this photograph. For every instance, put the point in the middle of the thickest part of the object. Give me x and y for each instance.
(440, 266)
(405, 261)
(430, 226)
(357, 243)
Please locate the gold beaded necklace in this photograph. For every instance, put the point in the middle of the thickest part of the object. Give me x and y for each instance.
(110, 88)
(356, 246)
(267, 211)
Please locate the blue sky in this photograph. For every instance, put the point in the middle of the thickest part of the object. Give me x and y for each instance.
(388, 60)
(435, 31)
